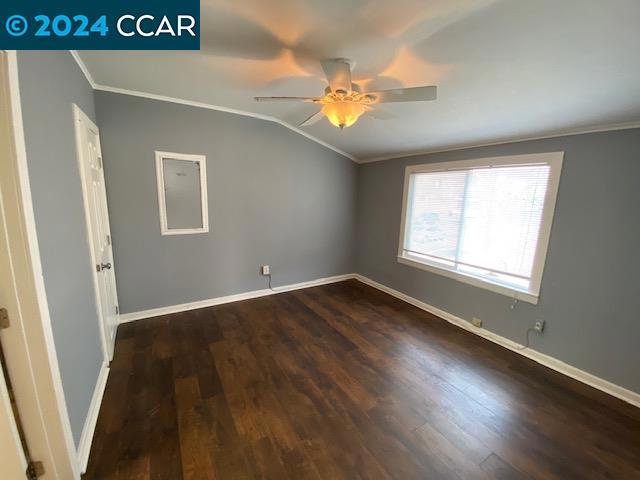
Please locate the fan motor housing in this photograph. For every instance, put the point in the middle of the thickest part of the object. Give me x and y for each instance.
(354, 88)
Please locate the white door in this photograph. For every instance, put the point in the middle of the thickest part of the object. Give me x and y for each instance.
(97, 216)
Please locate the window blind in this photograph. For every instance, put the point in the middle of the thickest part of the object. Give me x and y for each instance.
(482, 221)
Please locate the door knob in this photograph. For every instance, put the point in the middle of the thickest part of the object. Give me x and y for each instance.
(105, 266)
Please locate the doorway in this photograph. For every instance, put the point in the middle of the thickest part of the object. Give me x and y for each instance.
(32, 386)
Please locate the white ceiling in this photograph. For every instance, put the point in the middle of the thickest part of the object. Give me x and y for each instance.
(505, 69)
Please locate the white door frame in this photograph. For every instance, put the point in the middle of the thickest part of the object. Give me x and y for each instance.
(14, 462)
(32, 356)
(81, 120)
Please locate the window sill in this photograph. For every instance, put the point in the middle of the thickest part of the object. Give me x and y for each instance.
(471, 280)
(184, 231)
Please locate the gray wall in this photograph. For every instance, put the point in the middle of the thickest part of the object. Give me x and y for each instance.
(275, 198)
(49, 83)
(590, 294)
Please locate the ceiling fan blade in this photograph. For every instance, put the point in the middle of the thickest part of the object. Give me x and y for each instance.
(312, 119)
(286, 99)
(338, 73)
(380, 114)
(415, 94)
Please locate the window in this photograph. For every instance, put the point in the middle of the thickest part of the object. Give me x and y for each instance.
(485, 222)
(182, 193)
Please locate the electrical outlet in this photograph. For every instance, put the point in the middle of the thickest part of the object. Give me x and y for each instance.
(266, 270)
(476, 322)
(539, 326)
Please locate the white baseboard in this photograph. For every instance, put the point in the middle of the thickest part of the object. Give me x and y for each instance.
(183, 307)
(84, 448)
(612, 389)
(553, 363)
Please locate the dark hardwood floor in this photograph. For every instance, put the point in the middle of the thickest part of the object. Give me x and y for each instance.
(344, 382)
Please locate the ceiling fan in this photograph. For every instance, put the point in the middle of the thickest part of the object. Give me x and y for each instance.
(343, 102)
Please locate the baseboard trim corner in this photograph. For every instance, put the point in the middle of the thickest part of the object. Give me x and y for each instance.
(86, 438)
(617, 391)
(210, 302)
(587, 378)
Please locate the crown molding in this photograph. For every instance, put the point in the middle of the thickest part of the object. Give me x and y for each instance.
(269, 118)
(191, 103)
(209, 106)
(464, 146)
(83, 67)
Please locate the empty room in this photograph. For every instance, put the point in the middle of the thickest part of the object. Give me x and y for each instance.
(293, 239)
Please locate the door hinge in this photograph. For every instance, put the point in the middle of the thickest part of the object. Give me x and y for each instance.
(117, 309)
(34, 470)
(108, 239)
(4, 318)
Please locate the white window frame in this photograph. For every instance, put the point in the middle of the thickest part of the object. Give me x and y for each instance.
(553, 159)
(202, 161)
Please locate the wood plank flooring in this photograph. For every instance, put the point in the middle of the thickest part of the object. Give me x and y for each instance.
(345, 382)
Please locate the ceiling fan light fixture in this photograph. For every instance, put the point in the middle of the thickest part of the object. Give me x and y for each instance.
(344, 102)
(343, 113)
